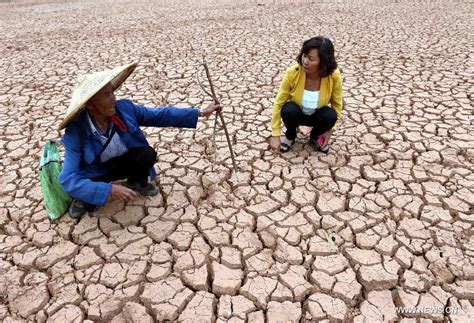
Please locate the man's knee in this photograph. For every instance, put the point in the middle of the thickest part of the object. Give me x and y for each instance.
(150, 154)
(146, 155)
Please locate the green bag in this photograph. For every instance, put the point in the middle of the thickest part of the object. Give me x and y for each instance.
(56, 201)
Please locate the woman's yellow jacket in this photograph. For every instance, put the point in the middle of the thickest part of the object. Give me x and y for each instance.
(292, 87)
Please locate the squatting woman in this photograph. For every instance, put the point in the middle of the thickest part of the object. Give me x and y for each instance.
(310, 94)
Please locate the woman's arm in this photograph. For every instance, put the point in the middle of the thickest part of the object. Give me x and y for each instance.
(336, 96)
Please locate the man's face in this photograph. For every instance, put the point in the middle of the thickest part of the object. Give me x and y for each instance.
(103, 102)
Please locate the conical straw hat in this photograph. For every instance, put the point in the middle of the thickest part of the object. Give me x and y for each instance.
(88, 85)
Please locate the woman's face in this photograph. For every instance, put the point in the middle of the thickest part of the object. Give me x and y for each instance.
(311, 61)
(103, 102)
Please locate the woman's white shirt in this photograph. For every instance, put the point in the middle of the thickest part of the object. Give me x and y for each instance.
(310, 102)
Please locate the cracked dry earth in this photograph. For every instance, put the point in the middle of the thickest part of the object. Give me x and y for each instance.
(385, 220)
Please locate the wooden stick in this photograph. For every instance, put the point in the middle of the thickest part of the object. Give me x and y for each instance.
(221, 117)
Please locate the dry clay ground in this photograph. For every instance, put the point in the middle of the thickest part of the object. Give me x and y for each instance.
(385, 220)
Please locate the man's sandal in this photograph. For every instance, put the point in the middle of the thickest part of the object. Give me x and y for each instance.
(78, 208)
(286, 146)
(148, 190)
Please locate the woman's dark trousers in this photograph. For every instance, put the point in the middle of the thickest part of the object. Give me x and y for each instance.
(321, 120)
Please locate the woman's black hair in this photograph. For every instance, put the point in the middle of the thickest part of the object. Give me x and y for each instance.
(325, 49)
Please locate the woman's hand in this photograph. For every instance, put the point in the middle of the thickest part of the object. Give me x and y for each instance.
(275, 144)
(207, 111)
(121, 192)
(326, 136)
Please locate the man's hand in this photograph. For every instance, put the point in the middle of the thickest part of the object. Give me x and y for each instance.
(275, 144)
(122, 193)
(207, 111)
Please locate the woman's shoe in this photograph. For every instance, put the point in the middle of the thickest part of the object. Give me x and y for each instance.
(286, 146)
(320, 144)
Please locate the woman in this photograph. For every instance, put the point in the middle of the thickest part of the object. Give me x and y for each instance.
(306, 91)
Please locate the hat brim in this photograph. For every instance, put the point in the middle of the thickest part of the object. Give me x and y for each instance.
(116, 77)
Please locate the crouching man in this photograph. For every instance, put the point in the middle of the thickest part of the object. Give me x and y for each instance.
(104, 143)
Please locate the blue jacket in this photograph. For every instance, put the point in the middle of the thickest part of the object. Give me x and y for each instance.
(81, 162)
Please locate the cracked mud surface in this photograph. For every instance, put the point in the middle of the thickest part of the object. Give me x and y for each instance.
(385, 220)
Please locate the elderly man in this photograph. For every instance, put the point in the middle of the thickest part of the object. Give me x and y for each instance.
(104, 143)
